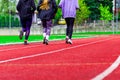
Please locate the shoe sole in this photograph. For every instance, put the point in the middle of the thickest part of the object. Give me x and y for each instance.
(70, 43)
(26, 43)
(46, 43)
(66, 42)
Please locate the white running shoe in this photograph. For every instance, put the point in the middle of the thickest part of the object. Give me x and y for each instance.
(69, 41)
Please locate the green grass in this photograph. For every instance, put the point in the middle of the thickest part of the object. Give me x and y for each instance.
(15, 39)
(33, 38)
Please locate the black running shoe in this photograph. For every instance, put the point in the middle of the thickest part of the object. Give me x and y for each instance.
(66, 41)
(25, 43)
(21, 35)
(46, 41)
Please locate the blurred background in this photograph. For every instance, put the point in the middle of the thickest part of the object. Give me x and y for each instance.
(94, 16)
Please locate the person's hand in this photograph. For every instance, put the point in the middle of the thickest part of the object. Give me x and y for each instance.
(36, 12)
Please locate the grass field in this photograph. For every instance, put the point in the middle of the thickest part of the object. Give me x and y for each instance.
(12, 39)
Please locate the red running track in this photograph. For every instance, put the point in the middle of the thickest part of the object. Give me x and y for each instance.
(86, 59)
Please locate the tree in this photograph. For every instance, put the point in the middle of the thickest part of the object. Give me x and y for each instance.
(7, 12)
(105, 13)
(58, 14)
(4, 6)
(8, 6)
(94, 7)
(83, 13)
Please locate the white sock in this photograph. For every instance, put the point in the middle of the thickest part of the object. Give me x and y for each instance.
(67, 37)
(44, 34)
(47, 37)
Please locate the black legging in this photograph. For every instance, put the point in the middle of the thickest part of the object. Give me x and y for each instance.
(70, 24)
(26, 25)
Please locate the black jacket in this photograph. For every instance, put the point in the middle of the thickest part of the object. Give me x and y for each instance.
(21, 8)
(47, 14)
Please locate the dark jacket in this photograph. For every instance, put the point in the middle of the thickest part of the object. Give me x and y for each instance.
(47, 14)
(23, 13)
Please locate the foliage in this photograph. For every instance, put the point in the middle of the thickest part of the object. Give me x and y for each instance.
(36, 2)
(7, 13)
(8, 6)
(94, 7)
(83, 13)
(88, 8)
(105, 13)
(4, 6)
(7, 20)
(58, 14)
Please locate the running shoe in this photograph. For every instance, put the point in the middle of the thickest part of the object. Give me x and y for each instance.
(69, 41)
(66, 40)
(44, 40)
(25, 42)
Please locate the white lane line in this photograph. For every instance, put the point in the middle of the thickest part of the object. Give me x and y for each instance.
(108, 71)
(50, 52)
(26, 47)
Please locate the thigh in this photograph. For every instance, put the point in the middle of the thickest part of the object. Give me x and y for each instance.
(28, 23)
(44, 23)
(71, 21)
(67, 21)
(49, 23)
(23, 22)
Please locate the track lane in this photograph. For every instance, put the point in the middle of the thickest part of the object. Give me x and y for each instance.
(35, 50)
(115, 75)
(13, 51)
(66, 63)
